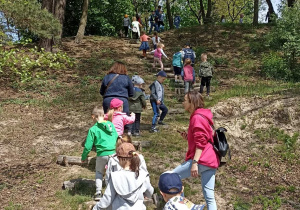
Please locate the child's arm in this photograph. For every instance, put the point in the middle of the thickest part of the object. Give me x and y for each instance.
(151, 52)
(182, 73)
(143, 101)
(149, 189)
(128, 119)
(108, 197)
(162, 52)
(88, 145)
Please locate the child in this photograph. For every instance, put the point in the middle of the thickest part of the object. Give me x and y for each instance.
(144, 46)
(117, 117)
(156, 39)
(113, 163)
(157, 56)
(188, 75)
(126, 24)
(171, 188)
(177, 65)
(157, 100)
(205, 72)
(136, 104)
(187, 52)
(104, 136)
(126, 187)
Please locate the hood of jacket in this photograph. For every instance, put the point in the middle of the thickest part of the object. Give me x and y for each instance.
(206, 112)
(106, 126)
(137, 93)
(127, 185)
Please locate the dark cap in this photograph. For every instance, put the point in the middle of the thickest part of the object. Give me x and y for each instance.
(168, 181)
(187, 44)
(162, 74)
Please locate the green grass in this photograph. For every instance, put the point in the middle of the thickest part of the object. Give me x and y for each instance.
(13, 206)
(240, 204)
(71, 201)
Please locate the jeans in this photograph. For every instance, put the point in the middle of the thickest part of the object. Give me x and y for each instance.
(135, 127)
(126, 30)
(176, 25)
(101, 161)
(207, 181)
(188, 86)
(156, 109)
(152, 24)
(205, 81)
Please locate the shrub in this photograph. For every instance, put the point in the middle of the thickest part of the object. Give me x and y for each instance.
(274, 66)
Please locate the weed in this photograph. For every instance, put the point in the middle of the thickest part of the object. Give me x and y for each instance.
(273, 202)
(243, 126)
(13, 206)
(241, 204)
(71, 201)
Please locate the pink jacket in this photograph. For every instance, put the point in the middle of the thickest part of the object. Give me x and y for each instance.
(199, 133)
(120, 119)
(157, 53)
(188, 73)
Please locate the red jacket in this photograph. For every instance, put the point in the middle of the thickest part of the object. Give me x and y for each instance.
(199, 133)
(189, 74)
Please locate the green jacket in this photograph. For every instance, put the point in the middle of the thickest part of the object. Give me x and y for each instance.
(104, 136)
(206, 69)
(137, 102)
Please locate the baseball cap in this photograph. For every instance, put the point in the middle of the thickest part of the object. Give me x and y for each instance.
(115, 103)
(187, 44)
(125, 150)
(162, 74)
(168, 181)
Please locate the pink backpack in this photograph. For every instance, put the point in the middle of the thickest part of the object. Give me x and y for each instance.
(157, 53)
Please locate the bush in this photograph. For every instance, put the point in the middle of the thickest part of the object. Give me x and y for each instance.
(274, 66)
(24, 65)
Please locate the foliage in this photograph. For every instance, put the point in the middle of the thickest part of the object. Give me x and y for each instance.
(274, 66)
(286, 37)
(28, 15)
(23, 65)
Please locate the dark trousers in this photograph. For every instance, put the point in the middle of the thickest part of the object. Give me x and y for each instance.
(135, 127)
(135, 35)
(156, 108)
(106, 104)
(126, 30)
(205, 81)
(152, 24)
(160, 23)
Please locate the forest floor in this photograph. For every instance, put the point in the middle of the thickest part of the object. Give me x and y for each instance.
(52, 116)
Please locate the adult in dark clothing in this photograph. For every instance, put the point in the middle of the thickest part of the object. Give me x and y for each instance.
(187, 52)
(120, 88)
(152, 22)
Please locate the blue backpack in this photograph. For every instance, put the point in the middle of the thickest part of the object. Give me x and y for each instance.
(189, 53)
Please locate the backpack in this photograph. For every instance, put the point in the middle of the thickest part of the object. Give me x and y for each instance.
(188, 53)
(220, 143)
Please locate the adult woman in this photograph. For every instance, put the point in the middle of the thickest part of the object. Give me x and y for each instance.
(200, 157)
(116, 84)
(135, 28)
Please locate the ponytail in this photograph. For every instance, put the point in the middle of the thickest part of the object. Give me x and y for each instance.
(110, 114)
(135, 163)
(124, 138)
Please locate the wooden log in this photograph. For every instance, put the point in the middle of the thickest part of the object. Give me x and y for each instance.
(176, 111)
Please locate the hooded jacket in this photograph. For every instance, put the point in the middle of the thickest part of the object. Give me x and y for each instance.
(200, 133)
(188, 73)
(137, 102)
(126, 22)
(206, 69)
(157, 92)
(104, 136)
(126, 192)
(177, 61)
(120, 119)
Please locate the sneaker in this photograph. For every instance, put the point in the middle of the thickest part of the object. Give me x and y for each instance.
(161, 123)
(97, 196)
(154, 130)
(136, 134)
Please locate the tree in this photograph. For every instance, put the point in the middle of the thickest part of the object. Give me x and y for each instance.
(232, 8)
(197, 8)
(255, 15)
(28, 15)
(83, 21)
(271, 12)
(169, 14)
(290, 3)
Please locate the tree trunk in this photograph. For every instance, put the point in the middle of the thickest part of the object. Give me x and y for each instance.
(59, 13)
(83, 21)
(194, 12)
(271, 8)
(202, 10)
(47, 43)
(255, 16)
(290, 3)
(209, 9)
(169, 14)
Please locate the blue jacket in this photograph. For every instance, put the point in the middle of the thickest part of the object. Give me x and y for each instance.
(121, 87)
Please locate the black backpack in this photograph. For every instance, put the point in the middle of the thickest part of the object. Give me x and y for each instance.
(220, 144)
(188, 53)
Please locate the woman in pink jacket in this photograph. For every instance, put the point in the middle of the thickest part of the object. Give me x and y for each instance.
(200, 157)
(117, 117)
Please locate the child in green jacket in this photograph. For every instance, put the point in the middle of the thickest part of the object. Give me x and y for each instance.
(104, 136)
(136, 104)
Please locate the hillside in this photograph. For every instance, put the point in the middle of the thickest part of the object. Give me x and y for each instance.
(52, 117)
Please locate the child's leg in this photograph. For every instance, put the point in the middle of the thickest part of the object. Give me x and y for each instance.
(190, 86)
(144, 53)
(161, 64)
(186, 87)
(202, 84)
(208, 85)
(101, 161)
(137, 122)
(164, 111)
(154, 62)
(154, 107)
